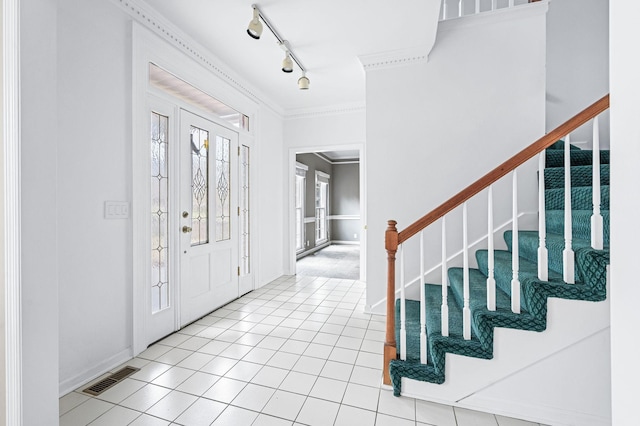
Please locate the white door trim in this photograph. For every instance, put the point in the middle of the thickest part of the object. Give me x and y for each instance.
(11, 210)
(290, 256)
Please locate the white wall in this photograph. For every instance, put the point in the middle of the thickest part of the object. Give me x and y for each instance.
(271, 197)
(625, 203)
(433, 128)
(94, 116)
(325, 130)
(311, 133)
(577, 62)
(40, 250)
(95, 165)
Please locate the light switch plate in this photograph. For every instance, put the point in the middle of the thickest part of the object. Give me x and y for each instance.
(116, 210)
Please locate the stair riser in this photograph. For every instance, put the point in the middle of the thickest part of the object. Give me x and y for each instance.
(555, 158)
(581, 225)
(528, 243)
(581, 198)
(503, 273)
(580, 176)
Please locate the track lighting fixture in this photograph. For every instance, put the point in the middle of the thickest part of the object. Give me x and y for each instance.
(303, 82)
(255, 30)
(287, 63)
(255, 26)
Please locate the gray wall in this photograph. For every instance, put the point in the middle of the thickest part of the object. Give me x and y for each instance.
(577, 62)
(345, 200)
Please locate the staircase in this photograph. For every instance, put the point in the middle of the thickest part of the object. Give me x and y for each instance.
(519, 325)
(590, 277)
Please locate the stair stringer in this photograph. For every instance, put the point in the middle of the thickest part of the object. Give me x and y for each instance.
(581, 399)
(568, 323)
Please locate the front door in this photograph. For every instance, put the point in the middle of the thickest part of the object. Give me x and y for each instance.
(208, 221)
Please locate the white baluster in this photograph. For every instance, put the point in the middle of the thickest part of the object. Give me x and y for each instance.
(511, 3)
(403, 313)
(466, 311)
(491, 281)
(543, 253)
(444, 309)
(423, 313)
(568, 256)
(460, 5)
(597, 225)
(477, 6)
(494, 4)
(515, 252)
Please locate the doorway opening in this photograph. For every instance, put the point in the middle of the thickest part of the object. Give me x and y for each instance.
(328, 221)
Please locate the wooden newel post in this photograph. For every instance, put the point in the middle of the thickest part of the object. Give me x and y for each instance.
(390, 351)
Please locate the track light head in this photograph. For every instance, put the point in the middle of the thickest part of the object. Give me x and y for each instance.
(255, 26)
(287, 63)
(303, 82)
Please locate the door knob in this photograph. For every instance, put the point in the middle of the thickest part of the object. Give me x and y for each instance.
(186, 229)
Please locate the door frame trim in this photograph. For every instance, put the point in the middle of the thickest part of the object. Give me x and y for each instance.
(290, 257)
(150, 47)
(12, 212)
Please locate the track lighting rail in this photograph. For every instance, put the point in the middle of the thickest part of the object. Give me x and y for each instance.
(255, 31)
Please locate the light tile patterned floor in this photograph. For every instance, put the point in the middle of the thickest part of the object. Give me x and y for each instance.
(299, 351)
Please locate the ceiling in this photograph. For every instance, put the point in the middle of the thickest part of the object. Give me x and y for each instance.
(326, 36)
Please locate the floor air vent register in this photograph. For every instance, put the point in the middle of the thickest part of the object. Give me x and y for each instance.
(112, 380)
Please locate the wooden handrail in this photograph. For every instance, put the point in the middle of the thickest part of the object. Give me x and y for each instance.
(508, 166)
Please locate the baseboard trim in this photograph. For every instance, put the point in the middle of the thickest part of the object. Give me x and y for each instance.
(313, 250)
(341, 242)
(539, 414)
(94, 372)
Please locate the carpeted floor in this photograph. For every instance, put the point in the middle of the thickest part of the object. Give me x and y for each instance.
(335, 261)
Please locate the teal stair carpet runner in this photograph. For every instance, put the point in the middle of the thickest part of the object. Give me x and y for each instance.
(590, 275)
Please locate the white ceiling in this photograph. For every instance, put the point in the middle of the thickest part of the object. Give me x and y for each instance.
(327, 36)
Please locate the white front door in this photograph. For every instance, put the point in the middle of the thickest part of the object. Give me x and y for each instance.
(209, 209)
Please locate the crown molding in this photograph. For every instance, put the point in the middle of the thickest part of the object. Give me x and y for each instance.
(297, 113)
(144, 14)
(333, 162)
(395, 58)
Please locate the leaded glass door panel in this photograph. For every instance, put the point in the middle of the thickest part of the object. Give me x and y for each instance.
(209, 242)
(162, 163)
